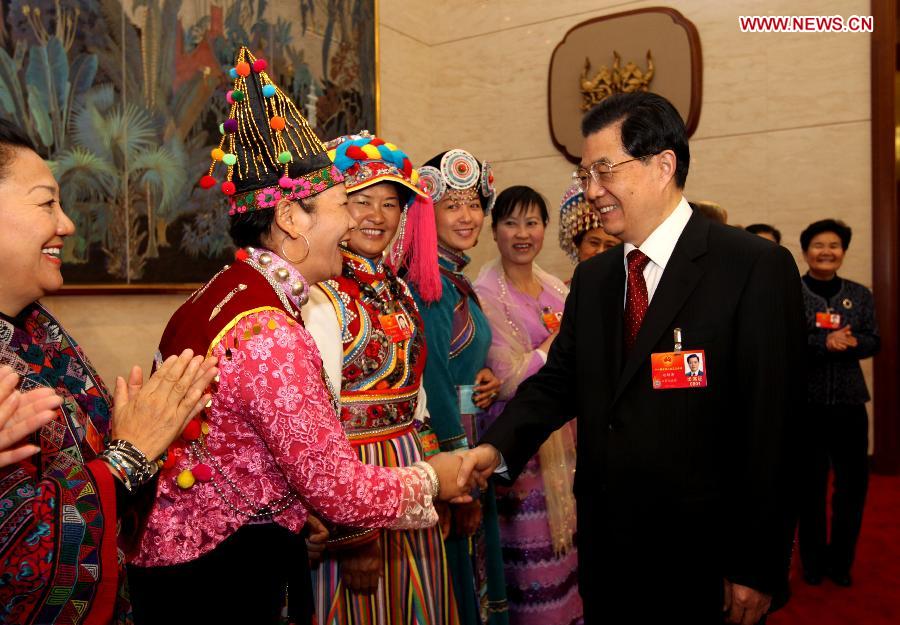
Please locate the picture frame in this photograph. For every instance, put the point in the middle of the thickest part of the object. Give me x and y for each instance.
(123, 99)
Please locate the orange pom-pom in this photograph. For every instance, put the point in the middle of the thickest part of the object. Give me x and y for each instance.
(277, 123)
(242, 68)
(217, 154)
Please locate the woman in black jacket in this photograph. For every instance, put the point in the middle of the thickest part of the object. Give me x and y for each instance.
(841, 331)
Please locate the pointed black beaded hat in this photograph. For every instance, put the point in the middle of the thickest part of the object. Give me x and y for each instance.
(267, 151)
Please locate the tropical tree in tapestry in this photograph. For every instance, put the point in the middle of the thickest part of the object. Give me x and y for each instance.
(123, 98)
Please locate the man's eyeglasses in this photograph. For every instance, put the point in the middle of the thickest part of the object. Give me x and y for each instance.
(601, 172)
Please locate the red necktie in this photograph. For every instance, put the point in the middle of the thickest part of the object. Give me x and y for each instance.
(636, 299)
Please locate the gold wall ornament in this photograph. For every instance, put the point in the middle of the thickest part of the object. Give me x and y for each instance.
(617, 79)
(674, 69)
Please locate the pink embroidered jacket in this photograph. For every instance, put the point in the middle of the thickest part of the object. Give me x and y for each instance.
(274, 438)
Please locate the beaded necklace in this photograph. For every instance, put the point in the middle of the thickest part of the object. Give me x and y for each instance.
(206, 465)
(506, 299)
(372, 294)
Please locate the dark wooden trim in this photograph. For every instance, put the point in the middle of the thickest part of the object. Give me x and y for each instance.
(126, 289)
(696, 69)
(885, 238)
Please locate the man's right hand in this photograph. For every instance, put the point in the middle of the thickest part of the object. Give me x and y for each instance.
(479, 464)
(446, 465)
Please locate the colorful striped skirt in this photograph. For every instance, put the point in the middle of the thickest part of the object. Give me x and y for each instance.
(415, 588)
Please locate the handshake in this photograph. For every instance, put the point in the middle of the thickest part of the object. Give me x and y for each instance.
(459, 472)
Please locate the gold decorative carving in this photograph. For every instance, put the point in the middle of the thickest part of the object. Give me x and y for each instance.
(617, 79)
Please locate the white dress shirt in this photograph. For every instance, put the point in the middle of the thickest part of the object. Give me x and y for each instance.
(658, 247)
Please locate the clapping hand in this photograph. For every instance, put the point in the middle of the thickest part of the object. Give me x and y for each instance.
(22, 414)
(151, 415)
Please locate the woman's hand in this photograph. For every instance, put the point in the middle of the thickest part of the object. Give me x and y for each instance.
(840, 340)
(151, 415)
(467, 518)
(316, 539)
(445, 518)
(361, 567)
(487, 388)
(447, 466)
(22, 414)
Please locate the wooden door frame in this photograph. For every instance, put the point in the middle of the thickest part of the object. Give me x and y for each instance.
(885, 237)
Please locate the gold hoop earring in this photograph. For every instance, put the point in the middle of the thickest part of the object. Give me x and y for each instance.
(288, 258)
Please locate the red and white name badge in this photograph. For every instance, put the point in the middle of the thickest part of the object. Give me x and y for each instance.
(552, 321)
(685, 369)
(396, 325)
(828, 320)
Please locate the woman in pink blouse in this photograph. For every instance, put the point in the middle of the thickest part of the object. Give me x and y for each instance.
(223, 540)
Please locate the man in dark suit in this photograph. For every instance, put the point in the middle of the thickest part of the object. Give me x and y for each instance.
(683, 503)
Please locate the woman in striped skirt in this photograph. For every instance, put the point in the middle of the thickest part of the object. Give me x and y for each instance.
(369, 332)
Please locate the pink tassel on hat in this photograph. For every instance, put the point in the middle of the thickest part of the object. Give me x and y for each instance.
(419, 243)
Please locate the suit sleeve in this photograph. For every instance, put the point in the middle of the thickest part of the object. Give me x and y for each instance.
(770, 341)
(540, 403)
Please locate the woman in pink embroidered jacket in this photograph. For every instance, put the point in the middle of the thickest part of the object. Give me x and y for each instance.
(239, 486)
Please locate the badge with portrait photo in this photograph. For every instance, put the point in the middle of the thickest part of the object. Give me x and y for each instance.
(551, 320)
(828, 320)
(396, 325)
(685, 369)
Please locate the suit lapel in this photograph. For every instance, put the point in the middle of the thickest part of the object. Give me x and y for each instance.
(678, 281)
(612, 312)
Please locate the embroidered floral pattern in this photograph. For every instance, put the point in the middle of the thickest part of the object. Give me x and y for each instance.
(273, 429)
(268, 198)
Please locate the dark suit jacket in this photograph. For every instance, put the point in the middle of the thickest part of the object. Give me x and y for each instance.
(678, 488)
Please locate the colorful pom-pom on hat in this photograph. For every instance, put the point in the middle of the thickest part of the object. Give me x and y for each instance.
(364, 161)
(266, 144)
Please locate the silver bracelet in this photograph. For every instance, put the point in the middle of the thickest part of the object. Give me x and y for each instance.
(130, 463)
(432, 476)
